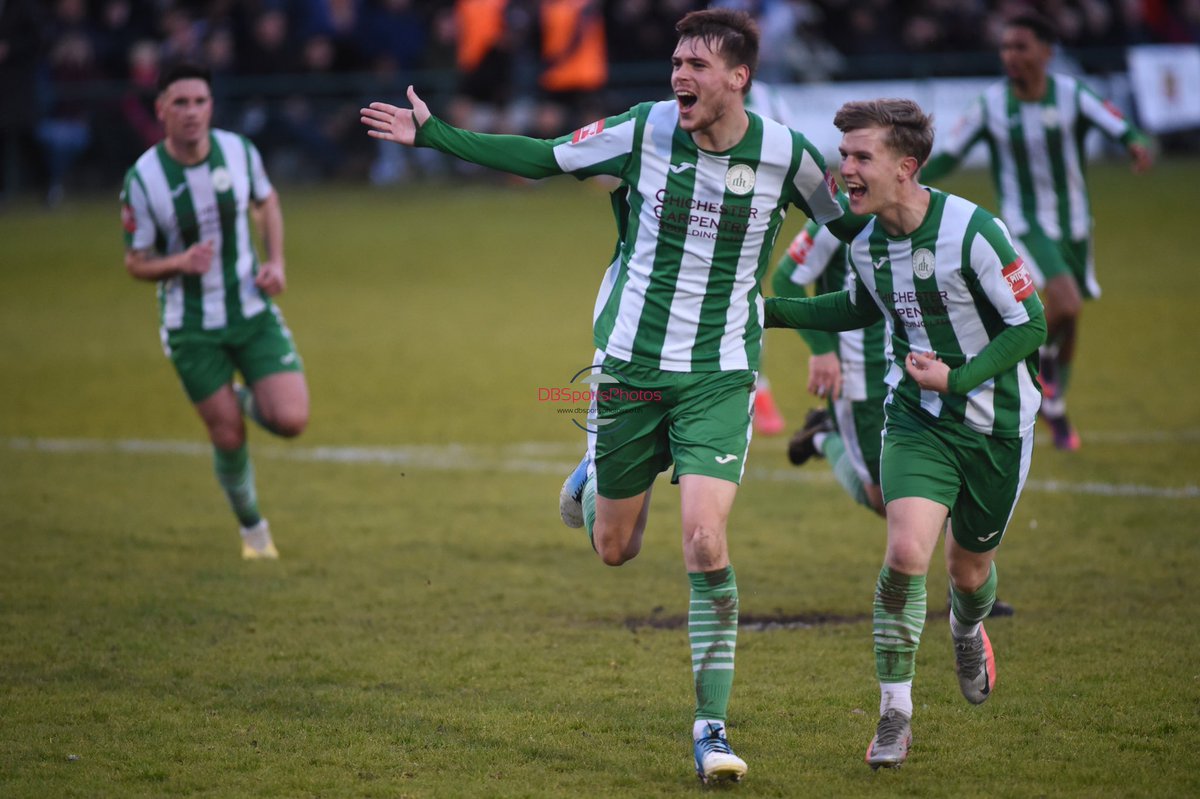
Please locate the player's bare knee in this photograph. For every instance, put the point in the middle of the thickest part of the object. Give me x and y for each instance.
(227, 435)
(613, 553)
(288, 420)
(968, 576)
(614, 544)
(906, 555)
(290, 425)
(706, 543)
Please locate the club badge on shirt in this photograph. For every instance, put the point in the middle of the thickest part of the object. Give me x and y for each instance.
(221, 179)
(739, 179)
(923, 263)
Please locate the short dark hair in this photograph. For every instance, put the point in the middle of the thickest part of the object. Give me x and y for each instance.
(732, 34)
(183, 71)
(1039, 26)
(909, 129)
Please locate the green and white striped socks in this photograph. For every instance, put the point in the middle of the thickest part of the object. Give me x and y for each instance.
(899, 619)
(967, 611)
(712, 633)
(235, 473)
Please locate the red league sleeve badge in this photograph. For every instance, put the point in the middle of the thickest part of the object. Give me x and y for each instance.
(1020, 282)
(128, 221)
(593, 129)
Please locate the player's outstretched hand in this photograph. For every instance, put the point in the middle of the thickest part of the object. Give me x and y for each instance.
(391, 123)
(930, 372)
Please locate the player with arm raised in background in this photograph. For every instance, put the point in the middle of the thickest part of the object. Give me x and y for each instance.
(185, 209)
(965, 324)
(1034, 123)
(679, 315)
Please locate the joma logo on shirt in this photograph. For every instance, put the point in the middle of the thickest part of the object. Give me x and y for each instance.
(593, 129)
(1020, 282)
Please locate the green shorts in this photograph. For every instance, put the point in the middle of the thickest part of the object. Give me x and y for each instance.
(978, 477)
(700, 421)
(1048, 258)
(205, 359)
(860, 424)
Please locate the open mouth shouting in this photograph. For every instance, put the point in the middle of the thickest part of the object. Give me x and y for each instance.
(686, 99)
(856, 191)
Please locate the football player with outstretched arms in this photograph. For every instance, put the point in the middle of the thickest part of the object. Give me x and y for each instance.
(679, 315)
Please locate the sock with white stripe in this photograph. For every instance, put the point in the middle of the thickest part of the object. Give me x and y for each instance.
(712, 633)
(899, 620)
(968, 610)
(235, 473)
(844, 471)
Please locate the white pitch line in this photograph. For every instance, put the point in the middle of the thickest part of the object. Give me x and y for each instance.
(529, 457)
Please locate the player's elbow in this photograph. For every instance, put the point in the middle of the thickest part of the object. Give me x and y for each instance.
(135, 265)
(1038, 325)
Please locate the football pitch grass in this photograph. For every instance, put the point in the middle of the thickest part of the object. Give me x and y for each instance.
(433, 630)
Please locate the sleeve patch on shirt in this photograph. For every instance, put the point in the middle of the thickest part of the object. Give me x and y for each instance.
(128, 220)
(799, 248)
(593, 129)
(831, 183)
(1112, 109)
(1020, 282)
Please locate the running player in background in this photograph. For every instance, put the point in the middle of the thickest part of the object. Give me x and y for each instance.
(678, 317)
(965, 325)
(185, 209)
(1035, 123)
(845, 369)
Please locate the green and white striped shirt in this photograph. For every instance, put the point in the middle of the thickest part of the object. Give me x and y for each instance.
(167, 207)
(955, 287)
(818, 257)
(684, 294)
(1037, 153)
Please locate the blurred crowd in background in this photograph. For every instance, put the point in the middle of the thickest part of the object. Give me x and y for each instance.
(77, 77)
